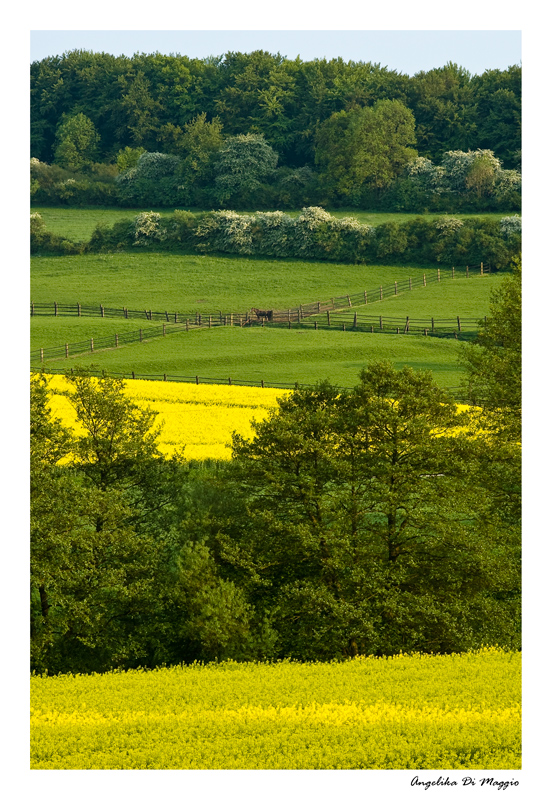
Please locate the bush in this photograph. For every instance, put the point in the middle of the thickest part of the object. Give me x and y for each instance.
(43, 241)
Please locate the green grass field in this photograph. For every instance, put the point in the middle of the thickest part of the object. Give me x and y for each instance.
(272, 355)
(78, 224)
(190, 283)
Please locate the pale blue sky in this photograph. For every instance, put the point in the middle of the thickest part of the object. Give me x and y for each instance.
(407, 51)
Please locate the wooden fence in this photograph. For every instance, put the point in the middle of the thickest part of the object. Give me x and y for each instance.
(296, 314)
(454, 327)
(455, 391)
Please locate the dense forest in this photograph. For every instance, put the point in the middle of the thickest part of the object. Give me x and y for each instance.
(260, 131)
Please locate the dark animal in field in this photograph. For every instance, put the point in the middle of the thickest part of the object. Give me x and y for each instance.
(262, 314)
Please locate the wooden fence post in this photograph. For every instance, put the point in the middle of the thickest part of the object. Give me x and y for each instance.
(102, 311)
(381, 292)
(175, 316)
(349, 299)
(410, 284)
(365, 298)
(458, 320)
(78, 309)
(91, 345)
(229, 381)
(381, 323)
(133, 375)
(407, 325)
(343, 326)
(453, 273)
(329, 322)
(424, 279)
(438, 275)
(167, 315)
(210, 320)
(355, 321)
(467, 272)
(319, 306)
(482, 268)
(42, 354)
(116, 340)
(432, 325)
(126, 312)
(315, 325)
(333, 302)
(55, 309)
(164, 331)
(164, 376)
(140, 334)
(262, 384)
(197, 380)
(187, 325)
(395, 287)
(66, 351)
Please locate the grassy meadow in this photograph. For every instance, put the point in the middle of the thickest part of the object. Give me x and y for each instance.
(273, 355)
(189, 283)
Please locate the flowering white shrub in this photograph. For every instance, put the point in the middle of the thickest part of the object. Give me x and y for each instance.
(146, 228)
(457, 164)
(447, 225)
(425, 173)
(510, 225)
(226, 231)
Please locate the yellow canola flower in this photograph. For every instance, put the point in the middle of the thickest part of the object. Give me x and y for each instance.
(200, 418)
(460, 711)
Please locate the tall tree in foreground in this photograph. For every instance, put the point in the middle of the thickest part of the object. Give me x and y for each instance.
(368, 531)
(493, 361)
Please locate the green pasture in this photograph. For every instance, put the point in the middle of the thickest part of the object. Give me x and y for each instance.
(445, 300)
(77, 224)
(55, 331)
(205, 283)
(270, 354)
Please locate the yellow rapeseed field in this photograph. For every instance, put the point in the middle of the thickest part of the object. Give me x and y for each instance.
(200, 417)
(405, 712)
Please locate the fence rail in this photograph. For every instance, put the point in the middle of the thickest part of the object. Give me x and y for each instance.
(457, 328)
(454, 391)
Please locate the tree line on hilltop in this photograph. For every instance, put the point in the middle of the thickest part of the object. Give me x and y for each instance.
(260, 131)
(371, 521)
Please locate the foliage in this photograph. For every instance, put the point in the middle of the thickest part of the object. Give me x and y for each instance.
(77, 142)
(493, 361)
(367, 533)
(43, 241)
(152, 181)
(148, 99)
(113, 582)
(243, 167)
(128, 158)
(364, 148)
